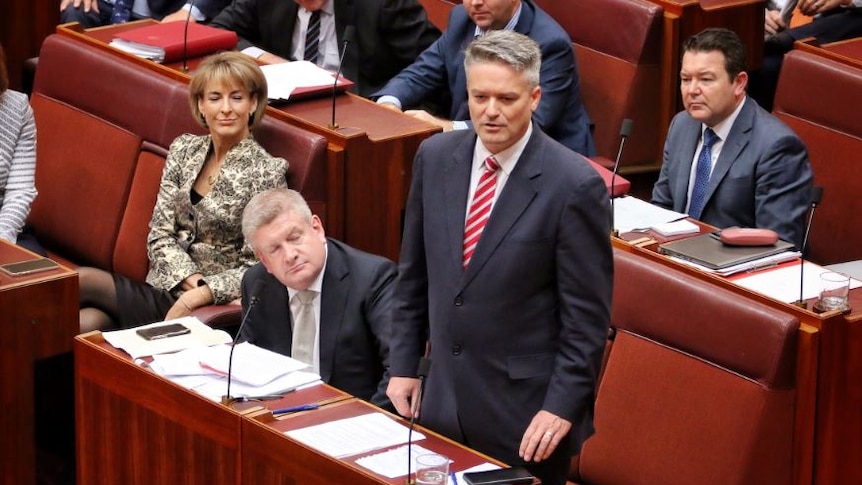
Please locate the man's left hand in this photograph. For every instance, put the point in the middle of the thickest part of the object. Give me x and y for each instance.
(426, 116)
(545, 432)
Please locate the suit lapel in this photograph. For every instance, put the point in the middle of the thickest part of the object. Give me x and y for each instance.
(456, 189)
(282, 33)
(737, 139)
(333, 298)
(517, 194)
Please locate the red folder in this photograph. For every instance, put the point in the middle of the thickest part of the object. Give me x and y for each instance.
(168, 39)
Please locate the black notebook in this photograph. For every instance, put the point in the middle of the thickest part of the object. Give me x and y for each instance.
(707, 250)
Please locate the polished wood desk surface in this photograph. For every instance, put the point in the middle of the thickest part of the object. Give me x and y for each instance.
(135, 426)
(829, 370)
(39, 318)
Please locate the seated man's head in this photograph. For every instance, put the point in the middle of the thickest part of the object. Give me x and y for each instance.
(502, 86)
(491, 14)
(712, 75)
(286, 237)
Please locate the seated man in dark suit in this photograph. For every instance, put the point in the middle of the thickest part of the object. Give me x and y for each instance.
(95, 13)
(308, 279)
(389, 34)
(727, 161)
(561, 114)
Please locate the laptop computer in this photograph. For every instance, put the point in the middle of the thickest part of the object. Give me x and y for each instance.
(707, 250)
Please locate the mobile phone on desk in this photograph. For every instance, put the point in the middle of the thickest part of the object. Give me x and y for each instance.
(503, 476)
(30, 266)
(163, 331)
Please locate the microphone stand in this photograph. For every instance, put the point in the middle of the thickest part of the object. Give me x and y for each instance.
(346, 40)
(186, 38)
(227, 399)
(816, 195)
(625, 131)
(422, 373)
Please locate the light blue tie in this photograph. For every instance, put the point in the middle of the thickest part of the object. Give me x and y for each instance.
(701, 177)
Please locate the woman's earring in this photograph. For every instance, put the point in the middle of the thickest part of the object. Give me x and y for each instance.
(204, 120)
(251, 119)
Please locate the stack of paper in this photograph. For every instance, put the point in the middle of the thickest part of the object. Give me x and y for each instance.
(200, 335)
(351, 436)
(282, 79)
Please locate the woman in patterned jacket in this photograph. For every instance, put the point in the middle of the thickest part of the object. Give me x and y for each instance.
(195, 245)
(17, 162)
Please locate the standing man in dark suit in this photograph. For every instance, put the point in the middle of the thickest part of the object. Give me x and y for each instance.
(561, 112)
(349, 296)
(518, 320)
(389, 34)
(727, 161)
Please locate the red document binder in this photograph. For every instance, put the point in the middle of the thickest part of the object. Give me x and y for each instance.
(165, 41)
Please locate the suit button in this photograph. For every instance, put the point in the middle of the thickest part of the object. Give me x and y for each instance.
(456, 350)
(459, 301)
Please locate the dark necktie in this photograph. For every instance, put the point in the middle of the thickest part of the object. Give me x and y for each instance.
(701, 177)
(312, 37)
(122, 11)
(480, 208)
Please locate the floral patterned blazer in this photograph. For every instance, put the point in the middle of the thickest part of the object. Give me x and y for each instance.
(206, 237)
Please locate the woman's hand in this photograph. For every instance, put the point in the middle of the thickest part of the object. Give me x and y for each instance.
(189, 300)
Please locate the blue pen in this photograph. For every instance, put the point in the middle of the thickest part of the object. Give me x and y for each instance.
(295, 409)
(454, 478)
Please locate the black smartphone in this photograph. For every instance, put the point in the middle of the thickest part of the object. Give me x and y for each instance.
(503, 476)
(27, 267)
(163, 331)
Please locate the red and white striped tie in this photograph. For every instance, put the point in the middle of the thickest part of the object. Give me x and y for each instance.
(480, 208)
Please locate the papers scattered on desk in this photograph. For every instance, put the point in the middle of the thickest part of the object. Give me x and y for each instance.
(255, 371)
(631, 213)
(750, 266)
(392, 463)
(283, 78)
(676, 228)
(782, 283)
(350, 436)
(136, 346)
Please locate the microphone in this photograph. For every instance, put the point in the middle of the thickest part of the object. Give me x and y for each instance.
(186, 37)
(256, 290)
(421, 373)
(816, 195)
(625, 131)
(349, 32)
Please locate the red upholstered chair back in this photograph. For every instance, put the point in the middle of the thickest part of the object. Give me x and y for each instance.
(618, 47)
(698, 387)
(812, 98)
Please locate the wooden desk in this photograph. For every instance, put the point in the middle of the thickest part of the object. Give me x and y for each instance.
(828, 377)
(370, 153)
(39, 318)
(684, 18)
(135, 427)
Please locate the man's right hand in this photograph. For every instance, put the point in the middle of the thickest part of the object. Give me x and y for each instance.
(404, 394)
(88, 4)
(773, 22)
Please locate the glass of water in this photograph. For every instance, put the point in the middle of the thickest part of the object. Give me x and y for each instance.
(432, 469)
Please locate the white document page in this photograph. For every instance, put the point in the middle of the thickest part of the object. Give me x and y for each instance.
(283, 78)
(350, 436)
(393, 463)
(782, 284)
(631, 213)
(252, 365)
(200, 335)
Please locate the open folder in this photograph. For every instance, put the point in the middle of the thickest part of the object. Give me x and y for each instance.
(708, 251)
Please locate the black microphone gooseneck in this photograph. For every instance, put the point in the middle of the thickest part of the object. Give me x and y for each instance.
(186, 38)
(256, 290)
(349, 32)
(816, 195)
(625, 132)
(421, 373)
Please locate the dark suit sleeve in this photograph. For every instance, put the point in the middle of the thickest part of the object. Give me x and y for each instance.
(556, 78)
(405, 27)
(378, 314)
(783, 182)
(584, 281)
(410, 315)
(247, 332)
(240, 16)
(662, 192)
(211, 8)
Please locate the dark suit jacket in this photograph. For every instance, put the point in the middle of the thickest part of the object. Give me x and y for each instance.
(355, 320)
(762, 177)
(561, 112)
(210, 8)
(523, 329)
(389, 34)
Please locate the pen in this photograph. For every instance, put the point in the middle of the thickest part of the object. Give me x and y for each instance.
(453, 478)
(296, 409)
(265, 397)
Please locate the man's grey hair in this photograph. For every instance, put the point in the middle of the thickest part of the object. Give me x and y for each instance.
(518, 51)
(264, 207)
